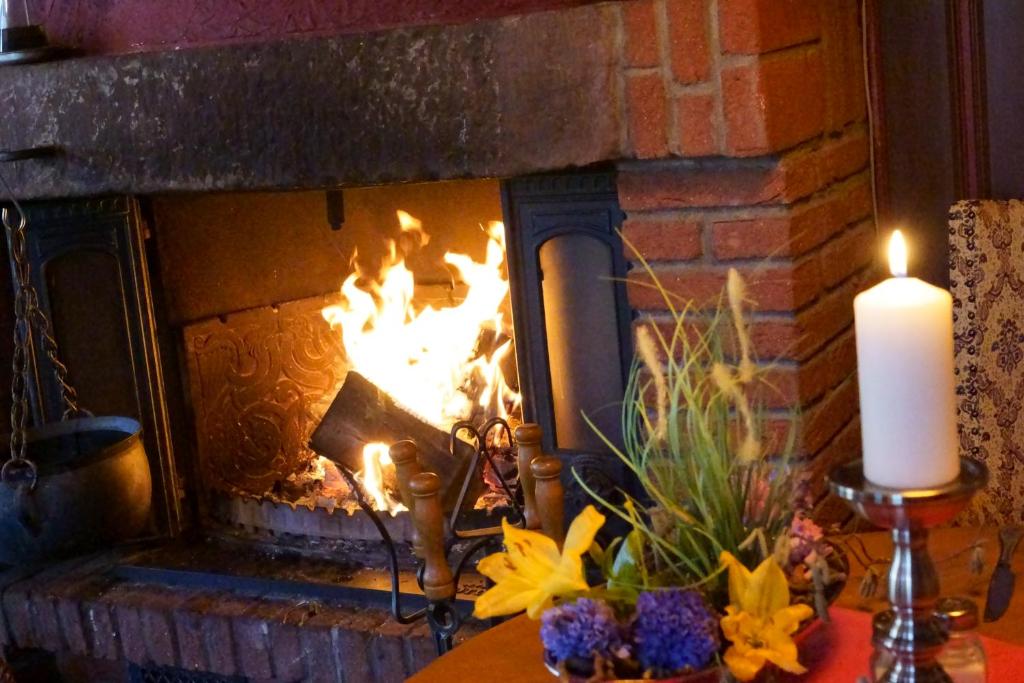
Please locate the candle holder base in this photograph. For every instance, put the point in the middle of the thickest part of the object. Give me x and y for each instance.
(915, 636)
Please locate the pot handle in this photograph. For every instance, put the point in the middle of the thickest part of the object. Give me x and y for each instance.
(23, 475)
(28, 511)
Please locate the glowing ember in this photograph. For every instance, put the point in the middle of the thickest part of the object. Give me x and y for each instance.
(427, 359)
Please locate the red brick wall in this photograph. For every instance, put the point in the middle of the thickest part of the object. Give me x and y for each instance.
(755, 113)
(102, 26)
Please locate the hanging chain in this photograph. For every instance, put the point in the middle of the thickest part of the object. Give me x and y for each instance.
(19, 365)
(28, 315)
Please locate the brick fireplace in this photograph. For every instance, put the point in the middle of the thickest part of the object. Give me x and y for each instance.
(733, 132)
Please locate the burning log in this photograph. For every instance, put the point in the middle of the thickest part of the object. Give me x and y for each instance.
(362, 413)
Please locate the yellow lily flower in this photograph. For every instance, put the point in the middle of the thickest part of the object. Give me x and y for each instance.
(531, 573)
(759, 622)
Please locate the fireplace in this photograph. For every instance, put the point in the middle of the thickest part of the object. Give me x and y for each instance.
(275, 298)
(188, 246)
(236, 321)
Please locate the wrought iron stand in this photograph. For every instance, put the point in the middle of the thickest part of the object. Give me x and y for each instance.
(443, 556)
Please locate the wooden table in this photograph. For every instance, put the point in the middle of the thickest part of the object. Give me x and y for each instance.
(512, 650)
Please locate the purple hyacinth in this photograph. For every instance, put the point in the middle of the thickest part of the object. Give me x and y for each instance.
(674, 631)
(582, 629)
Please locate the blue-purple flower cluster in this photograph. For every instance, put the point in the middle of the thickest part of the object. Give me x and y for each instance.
(674, 631)
(581, 629)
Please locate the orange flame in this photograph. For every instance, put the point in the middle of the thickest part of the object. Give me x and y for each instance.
(375, 458)
(427, 359)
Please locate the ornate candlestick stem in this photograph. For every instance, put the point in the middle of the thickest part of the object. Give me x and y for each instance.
(915, 637)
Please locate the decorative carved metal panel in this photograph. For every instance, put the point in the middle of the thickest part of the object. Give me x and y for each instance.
(260, 380)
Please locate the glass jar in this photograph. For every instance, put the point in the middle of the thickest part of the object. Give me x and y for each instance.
(881, 659)
(17, 32)
(963, 657)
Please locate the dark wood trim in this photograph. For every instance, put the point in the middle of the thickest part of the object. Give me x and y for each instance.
(871, 25)
(967, 83)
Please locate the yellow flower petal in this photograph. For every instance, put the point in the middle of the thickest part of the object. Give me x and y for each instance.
(531, 573)
(507, 597)
(760, 621)
(739, 577)
(532, 546)
(780, 650)
(496, 567)
(788, 619)
(743, 665)
(768, 590)
(582, 531)
(540, 602)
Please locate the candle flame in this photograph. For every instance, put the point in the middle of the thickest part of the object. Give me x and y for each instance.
(897, 254)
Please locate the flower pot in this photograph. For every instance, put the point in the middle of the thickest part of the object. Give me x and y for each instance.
(711, 675)
(838, 562)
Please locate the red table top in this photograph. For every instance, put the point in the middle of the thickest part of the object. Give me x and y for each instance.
(836, 652)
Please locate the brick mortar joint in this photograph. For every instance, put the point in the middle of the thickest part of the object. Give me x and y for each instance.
(715, 47)
(677, 89)
(661, 22)
(818, 143)
(741, 59)
(826, 292)
(625, 139)
(832, 392)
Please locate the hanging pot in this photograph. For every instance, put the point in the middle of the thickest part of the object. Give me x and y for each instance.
(92, 488)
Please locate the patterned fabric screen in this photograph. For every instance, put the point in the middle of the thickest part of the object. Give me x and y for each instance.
(986, 241)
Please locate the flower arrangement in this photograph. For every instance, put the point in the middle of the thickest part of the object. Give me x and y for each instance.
(717, 566)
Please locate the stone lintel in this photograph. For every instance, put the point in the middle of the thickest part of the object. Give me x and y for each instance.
(487, 99)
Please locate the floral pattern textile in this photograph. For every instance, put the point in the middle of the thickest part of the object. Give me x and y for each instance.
(986, 243)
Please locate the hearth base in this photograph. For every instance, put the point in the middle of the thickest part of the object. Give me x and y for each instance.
(112, 610)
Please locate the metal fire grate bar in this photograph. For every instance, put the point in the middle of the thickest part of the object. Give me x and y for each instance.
(167, 674)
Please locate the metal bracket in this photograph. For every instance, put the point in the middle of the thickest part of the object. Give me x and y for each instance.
(41, 152)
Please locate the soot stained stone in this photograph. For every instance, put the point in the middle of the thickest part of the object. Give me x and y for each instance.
(493, 98)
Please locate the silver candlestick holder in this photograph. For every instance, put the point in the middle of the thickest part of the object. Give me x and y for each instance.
(915, 637)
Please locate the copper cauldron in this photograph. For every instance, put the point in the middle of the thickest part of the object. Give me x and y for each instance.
(92, 489)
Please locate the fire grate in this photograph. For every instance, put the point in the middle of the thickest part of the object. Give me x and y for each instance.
(169, 674)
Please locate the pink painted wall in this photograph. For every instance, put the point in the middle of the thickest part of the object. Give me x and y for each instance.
(112, 26)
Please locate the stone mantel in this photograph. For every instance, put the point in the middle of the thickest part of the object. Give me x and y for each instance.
(492, 98)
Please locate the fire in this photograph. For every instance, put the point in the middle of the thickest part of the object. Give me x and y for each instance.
(428, 359)
(375, 459)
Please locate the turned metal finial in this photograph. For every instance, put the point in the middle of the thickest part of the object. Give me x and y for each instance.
(438, 582)
(528, 437)
(405, 456)
(547, 475)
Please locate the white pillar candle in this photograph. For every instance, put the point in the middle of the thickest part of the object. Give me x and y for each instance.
(905, 369)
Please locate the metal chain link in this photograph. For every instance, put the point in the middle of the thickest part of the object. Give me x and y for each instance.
(27, 316)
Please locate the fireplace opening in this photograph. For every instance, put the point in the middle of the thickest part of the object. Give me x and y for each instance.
(392, 302)
(401, 310)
